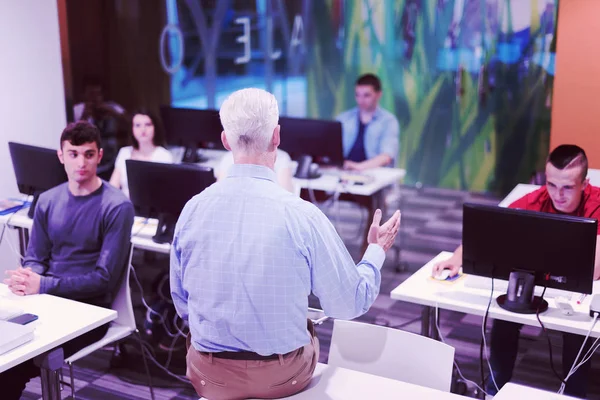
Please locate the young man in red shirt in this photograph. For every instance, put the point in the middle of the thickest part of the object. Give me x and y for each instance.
(567, 191)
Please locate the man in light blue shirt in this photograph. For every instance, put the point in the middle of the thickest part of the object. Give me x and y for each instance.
(246, 255)
(371, 134)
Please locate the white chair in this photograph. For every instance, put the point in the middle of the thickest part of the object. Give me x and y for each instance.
(120, 328)
(391, 353)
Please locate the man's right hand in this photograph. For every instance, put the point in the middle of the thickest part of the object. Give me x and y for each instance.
(449, 264)
(384, 235)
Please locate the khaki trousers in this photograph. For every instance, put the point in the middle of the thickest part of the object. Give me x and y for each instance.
(224, 379)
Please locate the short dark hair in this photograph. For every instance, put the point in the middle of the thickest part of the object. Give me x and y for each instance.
(569, 156)
(159, 134)
(369, 80)
(79, 133)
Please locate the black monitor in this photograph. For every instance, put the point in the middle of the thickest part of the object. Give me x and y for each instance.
(529, 248)
(192, 129)
(319, 139)
(37, 169)
(161, 191)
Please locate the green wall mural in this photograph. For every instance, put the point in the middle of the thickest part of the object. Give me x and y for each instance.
(469, 80)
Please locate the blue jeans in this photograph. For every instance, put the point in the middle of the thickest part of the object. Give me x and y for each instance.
(503, 353)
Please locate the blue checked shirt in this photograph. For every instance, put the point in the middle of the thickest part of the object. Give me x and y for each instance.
(382, 133)
(245, 256)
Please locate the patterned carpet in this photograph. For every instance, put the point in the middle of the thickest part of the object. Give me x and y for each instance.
(431, 222)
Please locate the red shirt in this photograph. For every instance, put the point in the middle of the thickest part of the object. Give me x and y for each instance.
(540, 200)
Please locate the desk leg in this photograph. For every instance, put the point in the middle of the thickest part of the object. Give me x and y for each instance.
(377, 200)
(23, 240)
(425, 321)
(429, 323)
(50, 364)
(435, 322)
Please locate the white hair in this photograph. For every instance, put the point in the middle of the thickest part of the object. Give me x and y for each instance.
(249, 117)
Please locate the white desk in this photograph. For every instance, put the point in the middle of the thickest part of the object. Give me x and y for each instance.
(421, 289)
(142, 231)
(335, 383)
(142, 234)
(329, 181)
(519, 191)
(512, 391)
(60, 320)
(18, 220)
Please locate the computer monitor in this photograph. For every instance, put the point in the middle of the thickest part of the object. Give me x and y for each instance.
(192, 129)
(529, 248)
(37, 169)
(319, 139)
(161, 191)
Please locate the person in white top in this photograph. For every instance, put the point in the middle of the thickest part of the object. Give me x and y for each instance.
(147, 139)
(283, 169)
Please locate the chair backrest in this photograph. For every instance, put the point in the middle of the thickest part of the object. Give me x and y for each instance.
(391, 353)
(122, 302)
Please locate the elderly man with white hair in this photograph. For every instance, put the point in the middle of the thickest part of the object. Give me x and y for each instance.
(245, 257)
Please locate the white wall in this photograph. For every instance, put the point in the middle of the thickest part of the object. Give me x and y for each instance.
(32, 101)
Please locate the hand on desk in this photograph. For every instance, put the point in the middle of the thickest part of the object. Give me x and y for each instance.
(384, 235)
(449, 264)
(354, 166)
(23, 281)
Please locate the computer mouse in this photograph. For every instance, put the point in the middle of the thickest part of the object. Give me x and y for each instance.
(443, 275)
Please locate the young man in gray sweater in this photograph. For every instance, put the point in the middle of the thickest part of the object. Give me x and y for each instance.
(79, 243)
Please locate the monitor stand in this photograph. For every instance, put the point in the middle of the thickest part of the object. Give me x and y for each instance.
(191, 156)
(32, 206)
(519, 297)
(165, 229)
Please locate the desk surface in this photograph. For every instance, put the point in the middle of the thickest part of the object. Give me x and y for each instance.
(60, 320)
(142, 233)
(519, 191)
(333, 383)
(329, 181)
(512, 391)
(420, 288)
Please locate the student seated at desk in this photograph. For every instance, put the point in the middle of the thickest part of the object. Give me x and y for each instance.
(246, 255)
(567, 191)
(79, 243)
(370, 134)
(283, 168)
(147, 140)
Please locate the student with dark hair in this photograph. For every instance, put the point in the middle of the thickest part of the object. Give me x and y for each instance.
(147, 140)
(370, 134)
(79, 243)
(567, 191)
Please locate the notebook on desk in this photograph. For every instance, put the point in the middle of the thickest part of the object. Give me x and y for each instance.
(8, 310)
(14, 335)
(9, 206)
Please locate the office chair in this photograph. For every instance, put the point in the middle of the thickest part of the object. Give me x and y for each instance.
(391, 353)
(122, 327)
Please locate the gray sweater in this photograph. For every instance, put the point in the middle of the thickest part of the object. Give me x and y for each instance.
(80, 244)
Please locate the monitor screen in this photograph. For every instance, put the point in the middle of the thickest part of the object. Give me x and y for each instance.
(320, 139)
(558, 250)
(37, 169)
(192, 127)
(161, 191)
